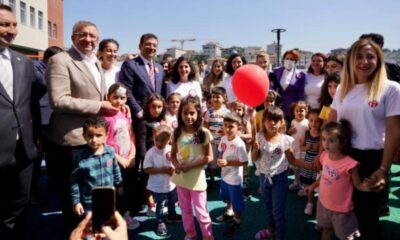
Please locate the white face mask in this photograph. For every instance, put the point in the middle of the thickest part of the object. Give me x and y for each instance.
(288, 64)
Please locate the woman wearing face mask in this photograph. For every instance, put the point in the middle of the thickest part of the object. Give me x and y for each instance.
(288, 81)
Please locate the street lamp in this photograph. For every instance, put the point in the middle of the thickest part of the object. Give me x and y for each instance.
(278, 37)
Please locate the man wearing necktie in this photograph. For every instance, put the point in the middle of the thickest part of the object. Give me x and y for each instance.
(17, 147)
(142, 76)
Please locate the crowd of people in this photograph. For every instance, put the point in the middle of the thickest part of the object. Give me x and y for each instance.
(163, 133)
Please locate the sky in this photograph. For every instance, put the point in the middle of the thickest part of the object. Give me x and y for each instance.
(312, 25)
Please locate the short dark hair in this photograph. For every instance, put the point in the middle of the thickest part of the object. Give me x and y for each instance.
(294, 52)
(233, 117)
(162, 131)
(339, 58)
(81, 24)
(97, 122)
(219, 90)
(6, 8)
(375, 37)
(51, 51)
(114, 88)
(146, 36)
(104, 42)
(321, 55)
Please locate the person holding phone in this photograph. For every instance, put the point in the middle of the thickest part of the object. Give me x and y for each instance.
(120, 232)
(95, 165)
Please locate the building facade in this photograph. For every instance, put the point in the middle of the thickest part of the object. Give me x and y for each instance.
(212, 49)
(40, 24)
(250, 53)
(55, 23)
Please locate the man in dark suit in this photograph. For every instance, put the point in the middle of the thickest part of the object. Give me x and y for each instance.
(17, 147)
(142, 76)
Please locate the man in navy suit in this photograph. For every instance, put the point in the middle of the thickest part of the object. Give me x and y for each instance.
(142, 76)
(17, 147)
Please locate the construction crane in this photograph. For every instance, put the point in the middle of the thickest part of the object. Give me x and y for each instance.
(183, 40)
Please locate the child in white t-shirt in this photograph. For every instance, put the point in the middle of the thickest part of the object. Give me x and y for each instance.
(158, 165)
(232, 156)
(297, 130)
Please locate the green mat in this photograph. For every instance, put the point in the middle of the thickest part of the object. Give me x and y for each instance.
(298, 225)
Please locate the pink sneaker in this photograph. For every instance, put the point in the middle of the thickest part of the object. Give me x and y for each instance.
(309, 209)
(263, 234)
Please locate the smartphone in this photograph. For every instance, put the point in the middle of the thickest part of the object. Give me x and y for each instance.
(103, 207)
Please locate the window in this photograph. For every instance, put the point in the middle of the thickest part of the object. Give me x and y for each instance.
(11, 3)
(40, 20)
(54, 30)
(23, 12)
(33, 16)
(49, 28)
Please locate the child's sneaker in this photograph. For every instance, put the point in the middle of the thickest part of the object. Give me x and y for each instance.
(132, 223)
(230, 230)
(309, 209)
(151, 211)
(173, 218)
(263, 234)
(294, 186)
(228, 215)
(161, 229)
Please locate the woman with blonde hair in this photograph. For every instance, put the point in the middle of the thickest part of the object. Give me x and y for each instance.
(370, 102)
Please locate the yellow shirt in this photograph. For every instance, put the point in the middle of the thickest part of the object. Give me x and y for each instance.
(324, 114)
(189, 150)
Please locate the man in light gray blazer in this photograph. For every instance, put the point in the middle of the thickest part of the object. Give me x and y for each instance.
(17, 148)
(77, 91)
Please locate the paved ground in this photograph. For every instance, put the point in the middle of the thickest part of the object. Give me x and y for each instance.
(45, 220)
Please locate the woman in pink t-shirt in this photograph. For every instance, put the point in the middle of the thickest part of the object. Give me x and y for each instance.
(339, 174)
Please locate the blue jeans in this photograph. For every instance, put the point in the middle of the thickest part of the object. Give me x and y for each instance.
(275, 195)
(171, 200)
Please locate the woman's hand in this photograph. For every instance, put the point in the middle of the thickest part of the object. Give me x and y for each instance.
(120, 232)
(377, 181)
(81, 230)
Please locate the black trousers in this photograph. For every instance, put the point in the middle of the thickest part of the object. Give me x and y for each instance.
(137, 178)
(59, 167)
(15, 183)
(367, 204)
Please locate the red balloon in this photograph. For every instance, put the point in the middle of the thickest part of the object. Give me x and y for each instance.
(250, 84)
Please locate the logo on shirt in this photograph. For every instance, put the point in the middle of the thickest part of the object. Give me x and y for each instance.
(109, 163)
(232, 147)
(278, 151)
(168, 155)
(331, 172)
(196, 140)
(373, 104)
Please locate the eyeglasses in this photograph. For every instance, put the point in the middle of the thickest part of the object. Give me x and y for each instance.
(83, 35)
